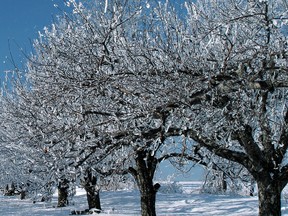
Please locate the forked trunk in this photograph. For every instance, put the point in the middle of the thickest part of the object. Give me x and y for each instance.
(269, 195)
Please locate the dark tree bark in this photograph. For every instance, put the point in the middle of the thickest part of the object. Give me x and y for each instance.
(90, 186)
(224, 183)
(23, 194)
(269, 194)
(270, 185)
(143, 174)
(63, 187)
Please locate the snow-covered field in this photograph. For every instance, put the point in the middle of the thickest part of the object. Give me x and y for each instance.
(187, 202)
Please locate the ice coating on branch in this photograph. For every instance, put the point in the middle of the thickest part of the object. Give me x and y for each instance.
(106, 6)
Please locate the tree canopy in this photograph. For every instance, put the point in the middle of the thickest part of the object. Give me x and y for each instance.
(114, 83)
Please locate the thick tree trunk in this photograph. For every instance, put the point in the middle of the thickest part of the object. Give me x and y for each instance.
(143, 174)
(269, 195)
(93, 195)
(63, 187)
(93, 198)
(148, 200)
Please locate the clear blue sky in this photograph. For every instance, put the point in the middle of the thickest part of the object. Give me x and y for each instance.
(20, 21)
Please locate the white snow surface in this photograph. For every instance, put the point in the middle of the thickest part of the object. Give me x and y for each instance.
(126, 202)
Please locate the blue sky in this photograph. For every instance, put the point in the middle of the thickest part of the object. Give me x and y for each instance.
(20, 21)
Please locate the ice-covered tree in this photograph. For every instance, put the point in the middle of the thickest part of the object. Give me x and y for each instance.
(22, 145)
(238, 107)
(27, 131)
(95, 73)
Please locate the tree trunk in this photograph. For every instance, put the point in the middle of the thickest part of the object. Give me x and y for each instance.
(90, 186)
(148, 200)
(63, 187)
(143, 174)
(224, 182)
(93, 198)
(23, 194)
(269, 195)
(23, 191)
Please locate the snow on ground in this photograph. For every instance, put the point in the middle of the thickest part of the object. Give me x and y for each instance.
(117, 203)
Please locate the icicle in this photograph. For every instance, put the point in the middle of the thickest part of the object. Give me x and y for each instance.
(106, 5)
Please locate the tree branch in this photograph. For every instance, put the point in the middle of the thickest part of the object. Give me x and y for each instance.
(182, 155)
(236, 156)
